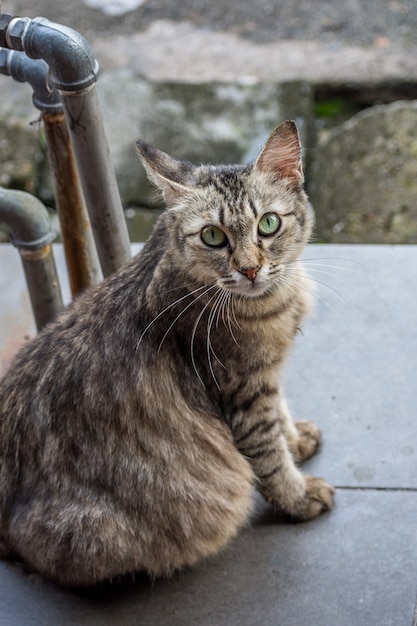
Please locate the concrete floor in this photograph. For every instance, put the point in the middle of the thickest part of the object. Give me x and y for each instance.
(353, 370)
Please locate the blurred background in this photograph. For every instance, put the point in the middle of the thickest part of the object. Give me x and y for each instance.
(208, 81)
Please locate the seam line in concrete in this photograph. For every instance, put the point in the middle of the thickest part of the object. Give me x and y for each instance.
(367, 488)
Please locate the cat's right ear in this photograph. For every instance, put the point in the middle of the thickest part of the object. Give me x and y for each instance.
(173, 177)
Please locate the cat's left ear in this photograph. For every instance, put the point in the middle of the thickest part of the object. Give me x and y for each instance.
(173, 177)
(281, 155)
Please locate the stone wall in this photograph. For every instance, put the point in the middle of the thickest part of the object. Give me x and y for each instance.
(364, 177)
(361, 173)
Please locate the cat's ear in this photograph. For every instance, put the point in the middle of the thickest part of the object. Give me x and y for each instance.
(281, 155)
(171, 176)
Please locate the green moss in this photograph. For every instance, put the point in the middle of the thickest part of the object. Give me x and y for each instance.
(333, 107)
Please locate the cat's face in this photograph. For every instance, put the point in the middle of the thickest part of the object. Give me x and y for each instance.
(240, 232)
(238, 227)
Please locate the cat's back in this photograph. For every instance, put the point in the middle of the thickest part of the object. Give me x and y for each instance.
(97, 324)
(75, 363)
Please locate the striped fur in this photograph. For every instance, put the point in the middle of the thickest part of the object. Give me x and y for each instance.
(133, 428)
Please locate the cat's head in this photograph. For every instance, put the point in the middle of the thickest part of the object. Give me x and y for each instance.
(236, 226)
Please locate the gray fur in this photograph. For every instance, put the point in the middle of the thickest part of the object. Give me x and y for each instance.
(133, 428)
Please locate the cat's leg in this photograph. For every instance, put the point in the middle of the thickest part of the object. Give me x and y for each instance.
(303, 437)
(287, 489)
(261, 437)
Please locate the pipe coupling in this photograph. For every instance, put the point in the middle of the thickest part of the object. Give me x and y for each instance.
(5, 20)
(16, 32)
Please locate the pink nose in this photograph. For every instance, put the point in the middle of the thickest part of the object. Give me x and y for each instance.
(250, 272)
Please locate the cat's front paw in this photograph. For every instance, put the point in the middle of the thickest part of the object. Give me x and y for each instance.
(309, 439)
(318, 498)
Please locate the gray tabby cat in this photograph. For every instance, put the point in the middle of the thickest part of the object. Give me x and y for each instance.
(133, 428)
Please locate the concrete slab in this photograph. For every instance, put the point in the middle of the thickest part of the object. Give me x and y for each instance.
(353, 370)
(355, 566)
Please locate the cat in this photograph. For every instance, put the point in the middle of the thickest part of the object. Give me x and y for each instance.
(134, 427)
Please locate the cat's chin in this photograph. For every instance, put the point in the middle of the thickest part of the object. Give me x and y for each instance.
(249, 290)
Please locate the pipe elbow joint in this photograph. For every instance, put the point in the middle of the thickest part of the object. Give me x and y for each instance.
(27, 220)
(72, 65)
(35, 72)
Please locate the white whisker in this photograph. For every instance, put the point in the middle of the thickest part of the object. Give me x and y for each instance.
(313, 265)
(231, 318)
(326, 273)
(220, 309)
(191, 293)
(332, 290)
(196, 323)
(234, 318)
(320, 262)
(328, 287)
(294, 285)
(212, 314)
(312, 268)
(201, 295)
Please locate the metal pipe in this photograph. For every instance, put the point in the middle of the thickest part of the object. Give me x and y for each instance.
(73, 71)
(98, 179)
(31, 233)
(70, 59)
(35, 72)
(80, 251)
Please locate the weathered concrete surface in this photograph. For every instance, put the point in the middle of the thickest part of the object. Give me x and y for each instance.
(353, 371)
(267, 40)
(365, 177)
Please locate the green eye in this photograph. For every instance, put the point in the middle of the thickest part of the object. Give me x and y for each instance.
(269, 224)
(213, 236)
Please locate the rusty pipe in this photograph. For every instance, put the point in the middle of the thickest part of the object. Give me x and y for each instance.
(80, 251)
(31, 233)
(73, 71)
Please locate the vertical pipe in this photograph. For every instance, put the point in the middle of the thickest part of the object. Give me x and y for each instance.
(31, 233)
(79, 247)
(80, 251)
(42, 282)
(98, 180)
(73, 71)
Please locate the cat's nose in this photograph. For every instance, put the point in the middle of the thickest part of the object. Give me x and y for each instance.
(250, 272)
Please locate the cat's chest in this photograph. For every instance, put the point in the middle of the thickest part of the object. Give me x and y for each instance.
(220, 356)
(213, 349)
